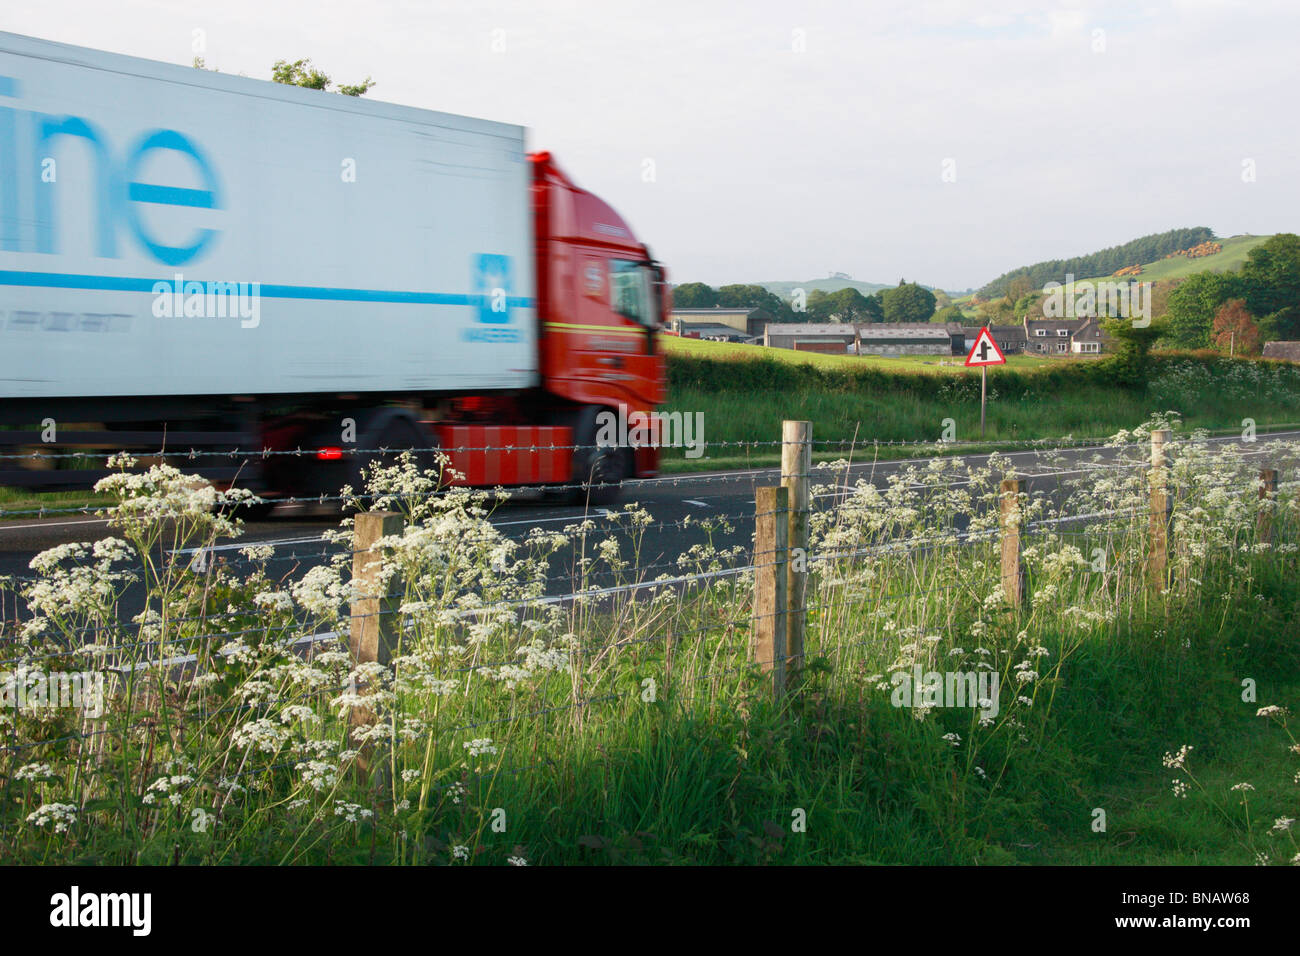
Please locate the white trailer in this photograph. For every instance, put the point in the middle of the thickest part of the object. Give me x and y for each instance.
(171, 231)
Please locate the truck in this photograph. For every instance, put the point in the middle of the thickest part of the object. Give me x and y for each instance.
(275, 286)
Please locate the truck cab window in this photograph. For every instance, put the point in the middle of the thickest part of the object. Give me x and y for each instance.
(631, 287)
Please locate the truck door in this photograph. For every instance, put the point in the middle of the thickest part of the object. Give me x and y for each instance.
(634, 296)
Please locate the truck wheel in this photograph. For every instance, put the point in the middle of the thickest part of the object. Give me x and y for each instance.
(598, 472)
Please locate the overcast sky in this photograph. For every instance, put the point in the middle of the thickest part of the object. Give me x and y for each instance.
(790, 140)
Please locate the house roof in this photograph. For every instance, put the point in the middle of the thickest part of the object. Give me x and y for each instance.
(1002, 333)
(868, 331)
(810, 328)
(1072, 325)
(702, 313)
(903, 330)
(1090, 331)
(1282, 350)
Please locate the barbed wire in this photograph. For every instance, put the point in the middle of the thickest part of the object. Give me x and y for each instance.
(103, 512)
(344, 449)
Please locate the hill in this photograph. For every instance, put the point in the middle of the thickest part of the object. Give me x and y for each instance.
(786, 289)
(1233, 254)
(1152, 248)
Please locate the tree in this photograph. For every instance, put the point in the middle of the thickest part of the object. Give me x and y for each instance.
(755, 297)
(1235, 330)
(1132, 359)
(1019, 287)
(843, 305)
(1271, 275)
(1192, 305)
(302, 73)
(997, 312)
(819, 307)
(909, 302)
(694, 295)
(1283, 324)
(952, 313)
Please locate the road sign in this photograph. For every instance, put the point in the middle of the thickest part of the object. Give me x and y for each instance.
(985, 351)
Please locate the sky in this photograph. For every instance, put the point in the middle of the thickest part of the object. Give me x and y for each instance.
(941, 142)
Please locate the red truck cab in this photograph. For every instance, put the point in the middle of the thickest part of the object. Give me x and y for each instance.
(602, 302)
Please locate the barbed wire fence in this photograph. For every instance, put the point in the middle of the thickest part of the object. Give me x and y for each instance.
(780, 569)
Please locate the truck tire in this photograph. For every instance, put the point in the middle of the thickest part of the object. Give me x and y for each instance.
(598, 473)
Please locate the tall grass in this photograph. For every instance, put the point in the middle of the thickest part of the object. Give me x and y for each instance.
(631, 726)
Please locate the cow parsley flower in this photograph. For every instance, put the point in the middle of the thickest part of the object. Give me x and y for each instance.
(62, 815)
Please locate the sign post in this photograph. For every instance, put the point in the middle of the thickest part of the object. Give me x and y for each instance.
(984, 396)
(983, 353)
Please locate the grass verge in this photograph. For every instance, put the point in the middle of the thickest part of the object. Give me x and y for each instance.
(634, 728)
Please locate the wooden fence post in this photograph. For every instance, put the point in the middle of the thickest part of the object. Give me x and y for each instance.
(1267, 497)
(772, 531)
(1013, 568)
(796, 466)
(1161, 511)
(374, 625)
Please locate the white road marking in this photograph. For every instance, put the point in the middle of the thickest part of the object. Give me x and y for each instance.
(277, 542)
(50, 524)
(599, 513)
(249, 543)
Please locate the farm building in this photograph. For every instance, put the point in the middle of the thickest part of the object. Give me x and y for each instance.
(834, 338)
(1050, 336)
(1064, 336)
(747, 323)
(909, 338)
(900, 338)
(1290, 351)
(1089, 339)
(711, 332)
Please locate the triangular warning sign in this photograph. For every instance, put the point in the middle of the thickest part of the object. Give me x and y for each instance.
(985, 351)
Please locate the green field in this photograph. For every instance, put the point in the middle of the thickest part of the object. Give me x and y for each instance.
(745, 392)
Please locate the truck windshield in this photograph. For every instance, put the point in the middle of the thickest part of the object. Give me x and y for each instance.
(631, 286)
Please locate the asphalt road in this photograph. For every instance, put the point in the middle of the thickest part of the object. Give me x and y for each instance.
(297, 534)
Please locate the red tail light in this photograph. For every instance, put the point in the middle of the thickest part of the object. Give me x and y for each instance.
(330, 454)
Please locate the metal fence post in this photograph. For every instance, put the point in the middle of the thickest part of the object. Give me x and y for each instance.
(772, 530)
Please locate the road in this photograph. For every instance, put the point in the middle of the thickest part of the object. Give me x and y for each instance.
(297, 534)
